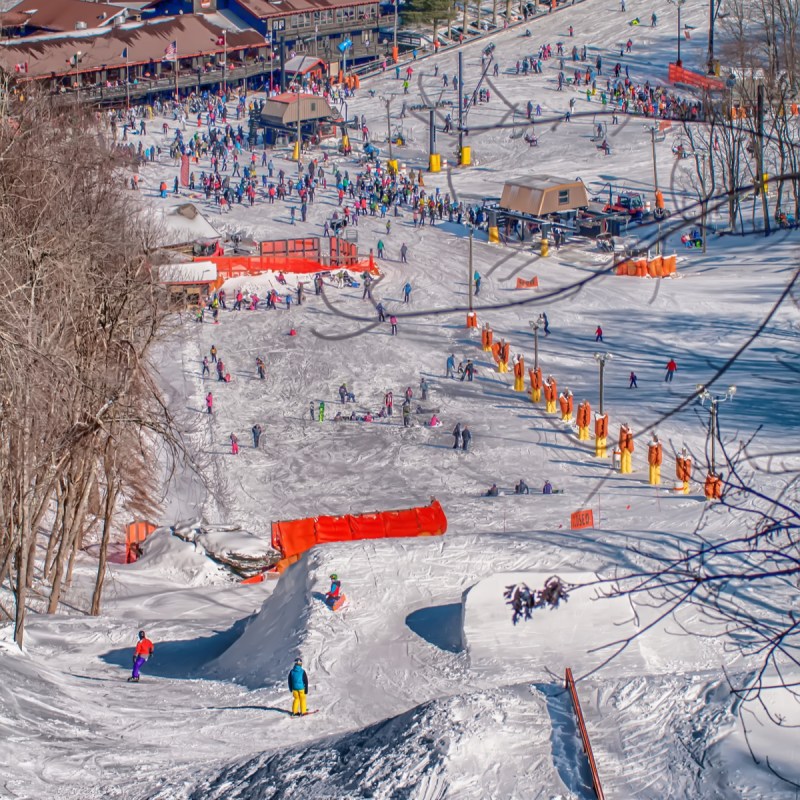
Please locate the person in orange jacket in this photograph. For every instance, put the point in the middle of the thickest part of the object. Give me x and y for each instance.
(144, 650)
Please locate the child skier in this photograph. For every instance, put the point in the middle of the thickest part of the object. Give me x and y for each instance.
(334, 592)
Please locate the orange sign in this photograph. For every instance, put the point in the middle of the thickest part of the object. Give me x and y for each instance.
(524, 284)
(581, 519)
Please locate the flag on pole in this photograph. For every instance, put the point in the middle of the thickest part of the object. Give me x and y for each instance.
(22, 67)
(221, 39)
(125, 52)
(171, 52)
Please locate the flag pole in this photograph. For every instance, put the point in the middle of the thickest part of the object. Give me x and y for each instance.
(177, 62)
(127, 82)
(225, 62)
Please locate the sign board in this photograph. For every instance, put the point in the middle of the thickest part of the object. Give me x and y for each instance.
(581, 519)
(345, 45)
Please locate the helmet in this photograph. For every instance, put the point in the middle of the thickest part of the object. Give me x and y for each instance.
(141, 634)
(334, 577)
(298, 661)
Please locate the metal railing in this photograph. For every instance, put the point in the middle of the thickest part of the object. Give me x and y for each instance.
(569, 683)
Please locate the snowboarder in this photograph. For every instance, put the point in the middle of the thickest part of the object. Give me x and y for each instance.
(451, 365)
(457, 436)
(522, 488)
(321, 410)
(477, 279)
(257, 431)
(261, 368)
(381, 312)
(466, 438)
(335, 591)
(672, 368)
(144, 650)
(493, 491)
(298, 686)
(598, 334)
(546, 324)
(469, 371)
(633, 384)
(209, 402)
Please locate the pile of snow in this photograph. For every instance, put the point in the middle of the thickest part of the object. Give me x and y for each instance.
(484, 745)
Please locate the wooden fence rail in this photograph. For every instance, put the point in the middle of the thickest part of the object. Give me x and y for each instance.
(569, 683)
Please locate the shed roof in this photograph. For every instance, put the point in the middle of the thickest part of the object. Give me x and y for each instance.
(543, 194)
(59, 15)
(302, 64)
(146, 42)
(192, 272)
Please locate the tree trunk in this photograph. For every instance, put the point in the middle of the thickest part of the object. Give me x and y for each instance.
(108, 516)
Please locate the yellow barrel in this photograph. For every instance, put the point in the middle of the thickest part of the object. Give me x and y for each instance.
(545, 247)
(494, 234)
(435, 163)
(466, 156)
(392, 165)
(296, 152)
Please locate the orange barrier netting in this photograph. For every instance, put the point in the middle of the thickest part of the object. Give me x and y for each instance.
(678, 74)
(135, 534)
(238, 266)
(658, 267)
(294, 537)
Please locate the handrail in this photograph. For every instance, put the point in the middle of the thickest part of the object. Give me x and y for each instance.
(569, 682)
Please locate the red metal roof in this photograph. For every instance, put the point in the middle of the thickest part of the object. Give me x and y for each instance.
(58, 15)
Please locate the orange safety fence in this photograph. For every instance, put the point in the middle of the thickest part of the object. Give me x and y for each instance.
(135, 534)
(678, 74)
(533, 283)
(569, 683)
(294, 537)
(238, 266)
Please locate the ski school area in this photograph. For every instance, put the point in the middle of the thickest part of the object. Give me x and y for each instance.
(405, 408)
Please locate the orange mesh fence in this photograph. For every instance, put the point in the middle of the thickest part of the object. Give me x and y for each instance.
(294, 537)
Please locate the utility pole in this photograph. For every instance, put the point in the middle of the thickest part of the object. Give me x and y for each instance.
(387, 101)
(282, 41)
(711, 17)
(652, 130)
(761, 182)
(460, 98)
(225, 61)
(394, 32)
(469, 276)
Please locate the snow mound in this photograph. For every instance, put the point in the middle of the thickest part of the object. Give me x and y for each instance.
(470, 746)
(580, 633)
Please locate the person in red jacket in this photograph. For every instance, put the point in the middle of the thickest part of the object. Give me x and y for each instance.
(672, 368)
(144, 649)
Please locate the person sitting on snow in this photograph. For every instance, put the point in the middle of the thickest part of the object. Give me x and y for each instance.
(281, 279)
(547, 488)
(435, 421)
(521, 488)
(335, 591)
(493, 491)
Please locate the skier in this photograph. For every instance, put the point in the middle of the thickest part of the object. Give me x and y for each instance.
(321, 410)
(466, 438)
(393, 323)
(298, 686)
(633, 384)
(209, 402)
(388, 403)
(336, 589)
(343, 393)
(424, 387)
(381, 312)
(261, 368)
(546, 324)
(672, 368)
(654, 19)
(522, 488)
(144, 650)
(457, 436)
(234, 444)
(213, 354)
(407, 293)
(404, 253)
(477, 279)
(493, 491)
(598, 334)
(257, 431)
(311, 411)
(547, 488)
(206, 370)
(406, 414)
(409, 394)
(451, 365)
(469, 371)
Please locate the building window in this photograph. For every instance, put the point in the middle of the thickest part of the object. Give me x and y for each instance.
(563, 197)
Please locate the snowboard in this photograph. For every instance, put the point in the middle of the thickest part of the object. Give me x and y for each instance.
(308, 713)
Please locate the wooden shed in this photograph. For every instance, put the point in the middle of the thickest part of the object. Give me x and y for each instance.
(541, 195)
(282, 110)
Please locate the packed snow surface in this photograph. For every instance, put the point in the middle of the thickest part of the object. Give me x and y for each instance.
(422, 686)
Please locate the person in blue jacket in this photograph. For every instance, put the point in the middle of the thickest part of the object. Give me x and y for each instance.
(335, 591)
(298, 686)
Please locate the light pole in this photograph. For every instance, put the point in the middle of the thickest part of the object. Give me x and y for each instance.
(679, 4)
(601, 359)
(535, 325)
(469, 276)
(713, 400)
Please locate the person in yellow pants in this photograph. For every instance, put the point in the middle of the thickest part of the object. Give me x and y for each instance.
(298, 686)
